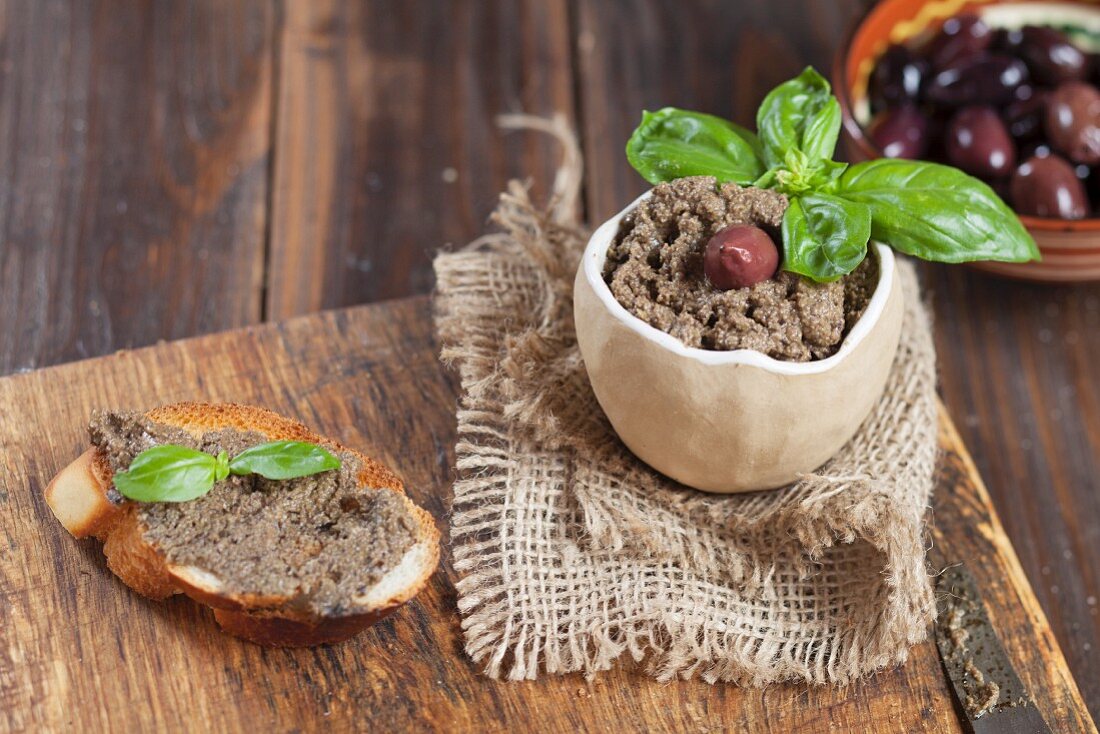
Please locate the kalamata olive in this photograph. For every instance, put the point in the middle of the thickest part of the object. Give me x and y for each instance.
(1094, 191)
(983, 79)
(1050, 56)
(900, 132)
(978, 143)
(1007, 40)
(1047, 187)
(960, 36)
(1086, 174)
(1040, 149)
(897, 77)
(937, 128)
(1073, 122)
(739, 256)
(1024, 117)
(1024, 92)
(1000, 187)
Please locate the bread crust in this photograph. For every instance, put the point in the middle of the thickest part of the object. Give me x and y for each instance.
(78, 497)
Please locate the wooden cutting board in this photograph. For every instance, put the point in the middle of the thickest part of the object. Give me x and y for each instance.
(78, 650)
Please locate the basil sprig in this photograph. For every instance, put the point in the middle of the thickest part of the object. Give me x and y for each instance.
(177, 474)
(927, 210)
(799, 115)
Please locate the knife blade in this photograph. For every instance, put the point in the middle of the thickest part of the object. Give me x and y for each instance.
(987, 689)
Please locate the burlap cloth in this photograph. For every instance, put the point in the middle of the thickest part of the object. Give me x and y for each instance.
(571, 552)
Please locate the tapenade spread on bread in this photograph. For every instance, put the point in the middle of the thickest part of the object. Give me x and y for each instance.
(285, 562)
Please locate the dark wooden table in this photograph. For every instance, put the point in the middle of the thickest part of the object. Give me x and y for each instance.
(370, 375)
(168, 169)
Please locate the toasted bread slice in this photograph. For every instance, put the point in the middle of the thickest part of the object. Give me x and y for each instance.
(78, 497)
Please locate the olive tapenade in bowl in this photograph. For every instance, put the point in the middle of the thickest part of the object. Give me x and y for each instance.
(729, 421)
(739, 321)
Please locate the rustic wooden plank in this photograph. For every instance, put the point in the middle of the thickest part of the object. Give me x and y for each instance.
(1018, 361)
(962, 512)
(387, 147)
(133, 173)
(79, 650)
(1020, 369)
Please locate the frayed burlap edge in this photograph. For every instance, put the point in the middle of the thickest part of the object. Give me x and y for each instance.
(564, 568)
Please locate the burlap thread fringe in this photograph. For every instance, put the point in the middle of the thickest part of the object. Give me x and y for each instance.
(572, 553)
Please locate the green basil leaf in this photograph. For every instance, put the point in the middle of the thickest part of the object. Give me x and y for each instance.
(819, 140)
(936, 212)
(283, 460)
(221, 466)
(749, 137)
(167, 474)
(825, 237)
(799, 175)
(793, 177)
(672, 143)
(802, 114)
(825, 178)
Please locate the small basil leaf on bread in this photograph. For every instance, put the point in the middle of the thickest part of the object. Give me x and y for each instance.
(167, 474)
(221, 469)
(283, 460)
(177, 474)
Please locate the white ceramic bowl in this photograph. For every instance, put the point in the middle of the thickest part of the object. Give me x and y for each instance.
(728, 421)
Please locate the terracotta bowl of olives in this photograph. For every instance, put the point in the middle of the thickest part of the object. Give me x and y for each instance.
(1007, 91)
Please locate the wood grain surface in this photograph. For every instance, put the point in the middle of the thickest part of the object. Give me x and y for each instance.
(80, 651)
(173, 169)
(387, 146)
(1020, 373)
(134, 141)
